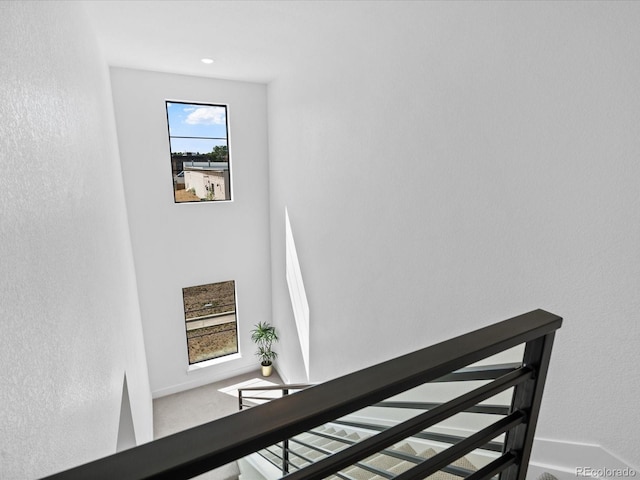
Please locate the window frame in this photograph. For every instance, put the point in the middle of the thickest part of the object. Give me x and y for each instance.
(228, 144)
(218, 358)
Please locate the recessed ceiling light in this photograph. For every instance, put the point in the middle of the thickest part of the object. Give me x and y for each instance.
(206, 60)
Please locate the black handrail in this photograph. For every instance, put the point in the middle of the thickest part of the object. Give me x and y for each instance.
(203, 448)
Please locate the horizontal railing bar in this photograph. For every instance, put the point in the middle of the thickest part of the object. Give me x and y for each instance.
(258, 398)
(314, 447)
(293, 452)
(478, 372)
(317, 448)
(458, 471)
(452, 469)
(488, 409)
(287, 386)
(377, 471)
(268, 449)
(280, 459)
(493, 468)
(344, 476)
(329, 436)
(462, 448)
(395, 434)
(199, 449)
(259, 452)
(436, 437)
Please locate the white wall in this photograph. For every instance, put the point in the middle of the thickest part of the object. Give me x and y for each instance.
(508, 133)
(182, 245)
(69, 318)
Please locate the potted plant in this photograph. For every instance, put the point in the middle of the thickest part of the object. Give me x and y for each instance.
(264, 335)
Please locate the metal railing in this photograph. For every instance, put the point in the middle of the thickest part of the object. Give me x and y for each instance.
(203, 448)
(284, 389)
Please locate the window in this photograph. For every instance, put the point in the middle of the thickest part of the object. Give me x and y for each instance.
(210, 320)
(199, 144)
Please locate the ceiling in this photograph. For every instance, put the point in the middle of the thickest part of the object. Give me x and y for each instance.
(248, 40)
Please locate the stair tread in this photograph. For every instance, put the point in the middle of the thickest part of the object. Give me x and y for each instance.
(405, 448)
(428, 453)
(465, 463)
(320, 441)
(461, 462)
(334, 446)
(359, 473)
(401, 467)
(382, 461)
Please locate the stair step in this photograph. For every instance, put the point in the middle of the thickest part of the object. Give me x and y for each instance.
(334, 446)
(401, 467)
(405, 448)
(320, 441)
(309, 453)
(382, 461)
(465, 463)
(306, 436)
(428, 453)
(270, 456)
(298, 462)
(359, 473)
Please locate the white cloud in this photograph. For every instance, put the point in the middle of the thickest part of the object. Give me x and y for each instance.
(191, 109)
(207, 116)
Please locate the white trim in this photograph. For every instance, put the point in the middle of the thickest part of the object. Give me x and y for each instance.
(213, 361)
(284, 378)
(563, 458)
(200, 380)
(262, 466)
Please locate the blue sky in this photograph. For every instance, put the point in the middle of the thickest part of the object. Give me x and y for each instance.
(192, 120)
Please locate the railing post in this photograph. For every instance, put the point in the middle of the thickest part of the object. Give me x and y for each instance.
(285, 457)
(527, 397)
(285, 445)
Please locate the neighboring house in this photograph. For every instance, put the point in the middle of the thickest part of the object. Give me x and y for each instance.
(207, 184)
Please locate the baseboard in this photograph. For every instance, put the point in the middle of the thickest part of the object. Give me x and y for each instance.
(572, 460)
(282, 376)
(203, 380)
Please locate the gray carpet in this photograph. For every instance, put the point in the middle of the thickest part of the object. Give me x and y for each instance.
(177, 412)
